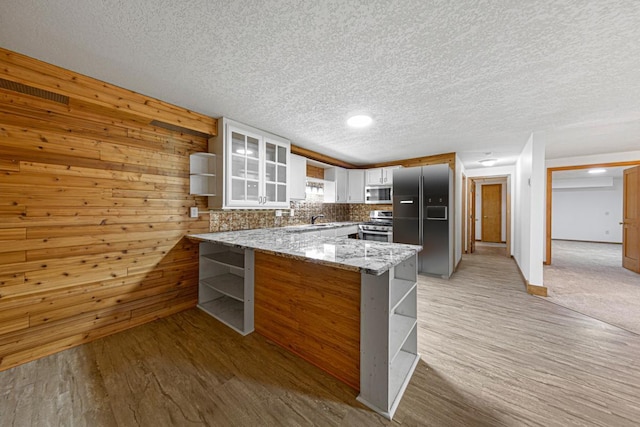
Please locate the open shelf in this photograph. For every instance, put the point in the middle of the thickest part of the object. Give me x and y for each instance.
(399, 329)
(230, 259)
(202, 163)
(202, 184)
(227, 284)
(202, 170)
(227, 310)
(398, 289)
(400, 374)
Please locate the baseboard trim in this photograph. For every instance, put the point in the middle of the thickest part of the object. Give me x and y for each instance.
(536, 290)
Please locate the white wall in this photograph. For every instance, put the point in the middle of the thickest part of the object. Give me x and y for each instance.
(589, 214)
(503, 220)
(529, 215)
(458, 214)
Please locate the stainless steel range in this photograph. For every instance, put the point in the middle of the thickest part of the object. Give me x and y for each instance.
(378, 228)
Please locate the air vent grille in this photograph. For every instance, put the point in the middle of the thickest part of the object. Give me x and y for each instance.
(34, 91)
(180, 129)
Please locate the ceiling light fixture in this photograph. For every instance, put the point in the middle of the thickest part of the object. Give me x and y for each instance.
(359, 121)
(597, 170)
(489, 161)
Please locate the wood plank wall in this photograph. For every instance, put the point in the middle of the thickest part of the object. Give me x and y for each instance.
(94, 205)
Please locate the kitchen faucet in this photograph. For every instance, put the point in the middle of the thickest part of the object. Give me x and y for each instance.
(314, 217)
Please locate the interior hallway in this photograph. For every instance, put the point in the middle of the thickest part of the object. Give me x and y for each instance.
(492, 355)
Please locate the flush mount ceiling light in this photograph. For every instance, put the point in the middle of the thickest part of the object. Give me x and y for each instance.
(359, 121)
(597, 170)
(489, 161)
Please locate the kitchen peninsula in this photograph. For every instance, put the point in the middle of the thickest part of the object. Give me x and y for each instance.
(347, 306)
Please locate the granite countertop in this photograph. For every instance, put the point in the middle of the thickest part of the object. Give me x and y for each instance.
(317, 226)
(350, 254)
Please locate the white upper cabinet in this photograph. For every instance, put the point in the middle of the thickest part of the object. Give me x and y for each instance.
(298, 177)
(340, 177)
(256, 168)
(380, 176)
(356, 185)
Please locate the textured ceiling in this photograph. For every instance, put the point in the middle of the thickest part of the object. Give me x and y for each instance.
(436, 76)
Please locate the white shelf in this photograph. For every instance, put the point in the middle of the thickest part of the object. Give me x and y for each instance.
(399, 375)
(228, 284)
(202, 170)
(202, 184)
(230, 259)
(202, 163)
(227, 310)
(399, 329)
(398, 290)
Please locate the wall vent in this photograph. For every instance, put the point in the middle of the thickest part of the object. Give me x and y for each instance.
(180, 129)
(33, 91)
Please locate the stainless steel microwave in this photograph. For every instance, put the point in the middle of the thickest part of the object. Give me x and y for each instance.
(378, 194)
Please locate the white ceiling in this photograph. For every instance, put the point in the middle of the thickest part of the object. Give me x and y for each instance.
(465, 76)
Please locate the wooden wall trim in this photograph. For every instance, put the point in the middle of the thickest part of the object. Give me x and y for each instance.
(91, 92)
(314, 155)
(437, 159)
(540, 291)
(94, 204)
(313, 172)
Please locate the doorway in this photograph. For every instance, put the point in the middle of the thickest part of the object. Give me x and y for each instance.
(489, 213)
(585, 224)
(551, 173)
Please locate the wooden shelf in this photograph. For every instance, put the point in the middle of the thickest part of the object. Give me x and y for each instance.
(230, 259)
(227, 284)
(227, 310)
(398, 290)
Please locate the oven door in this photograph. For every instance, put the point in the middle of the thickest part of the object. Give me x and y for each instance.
(377, 236)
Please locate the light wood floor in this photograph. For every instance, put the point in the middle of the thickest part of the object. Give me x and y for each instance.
(491, 355)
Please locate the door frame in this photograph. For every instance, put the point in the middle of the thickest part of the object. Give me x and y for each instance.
(505, 180)
(549, 201)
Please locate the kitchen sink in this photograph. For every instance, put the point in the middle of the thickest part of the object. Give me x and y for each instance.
(295, 228)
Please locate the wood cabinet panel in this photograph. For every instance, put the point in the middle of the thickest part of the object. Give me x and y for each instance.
(312, 310)
(94, 205)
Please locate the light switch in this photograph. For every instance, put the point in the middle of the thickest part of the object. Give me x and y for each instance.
(193, 212)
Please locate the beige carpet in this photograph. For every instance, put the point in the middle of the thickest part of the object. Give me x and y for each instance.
(589, 278)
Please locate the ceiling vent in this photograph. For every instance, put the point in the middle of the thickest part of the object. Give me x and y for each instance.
(180, 129)
(33, 91)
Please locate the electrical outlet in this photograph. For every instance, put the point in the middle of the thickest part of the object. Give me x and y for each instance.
(291, 212)
(278, 212)
(193, 212)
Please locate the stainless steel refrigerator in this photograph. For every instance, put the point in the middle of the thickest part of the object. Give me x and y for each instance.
(423, 215)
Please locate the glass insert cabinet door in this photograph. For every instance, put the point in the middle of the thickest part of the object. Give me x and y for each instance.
(244, 183)
(276, 173)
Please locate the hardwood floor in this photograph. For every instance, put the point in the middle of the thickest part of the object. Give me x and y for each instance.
(491, 355)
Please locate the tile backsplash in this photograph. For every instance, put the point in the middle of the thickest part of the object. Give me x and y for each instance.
(230, 220)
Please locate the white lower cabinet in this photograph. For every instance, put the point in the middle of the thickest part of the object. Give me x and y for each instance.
(388, 309)
(225, 288)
